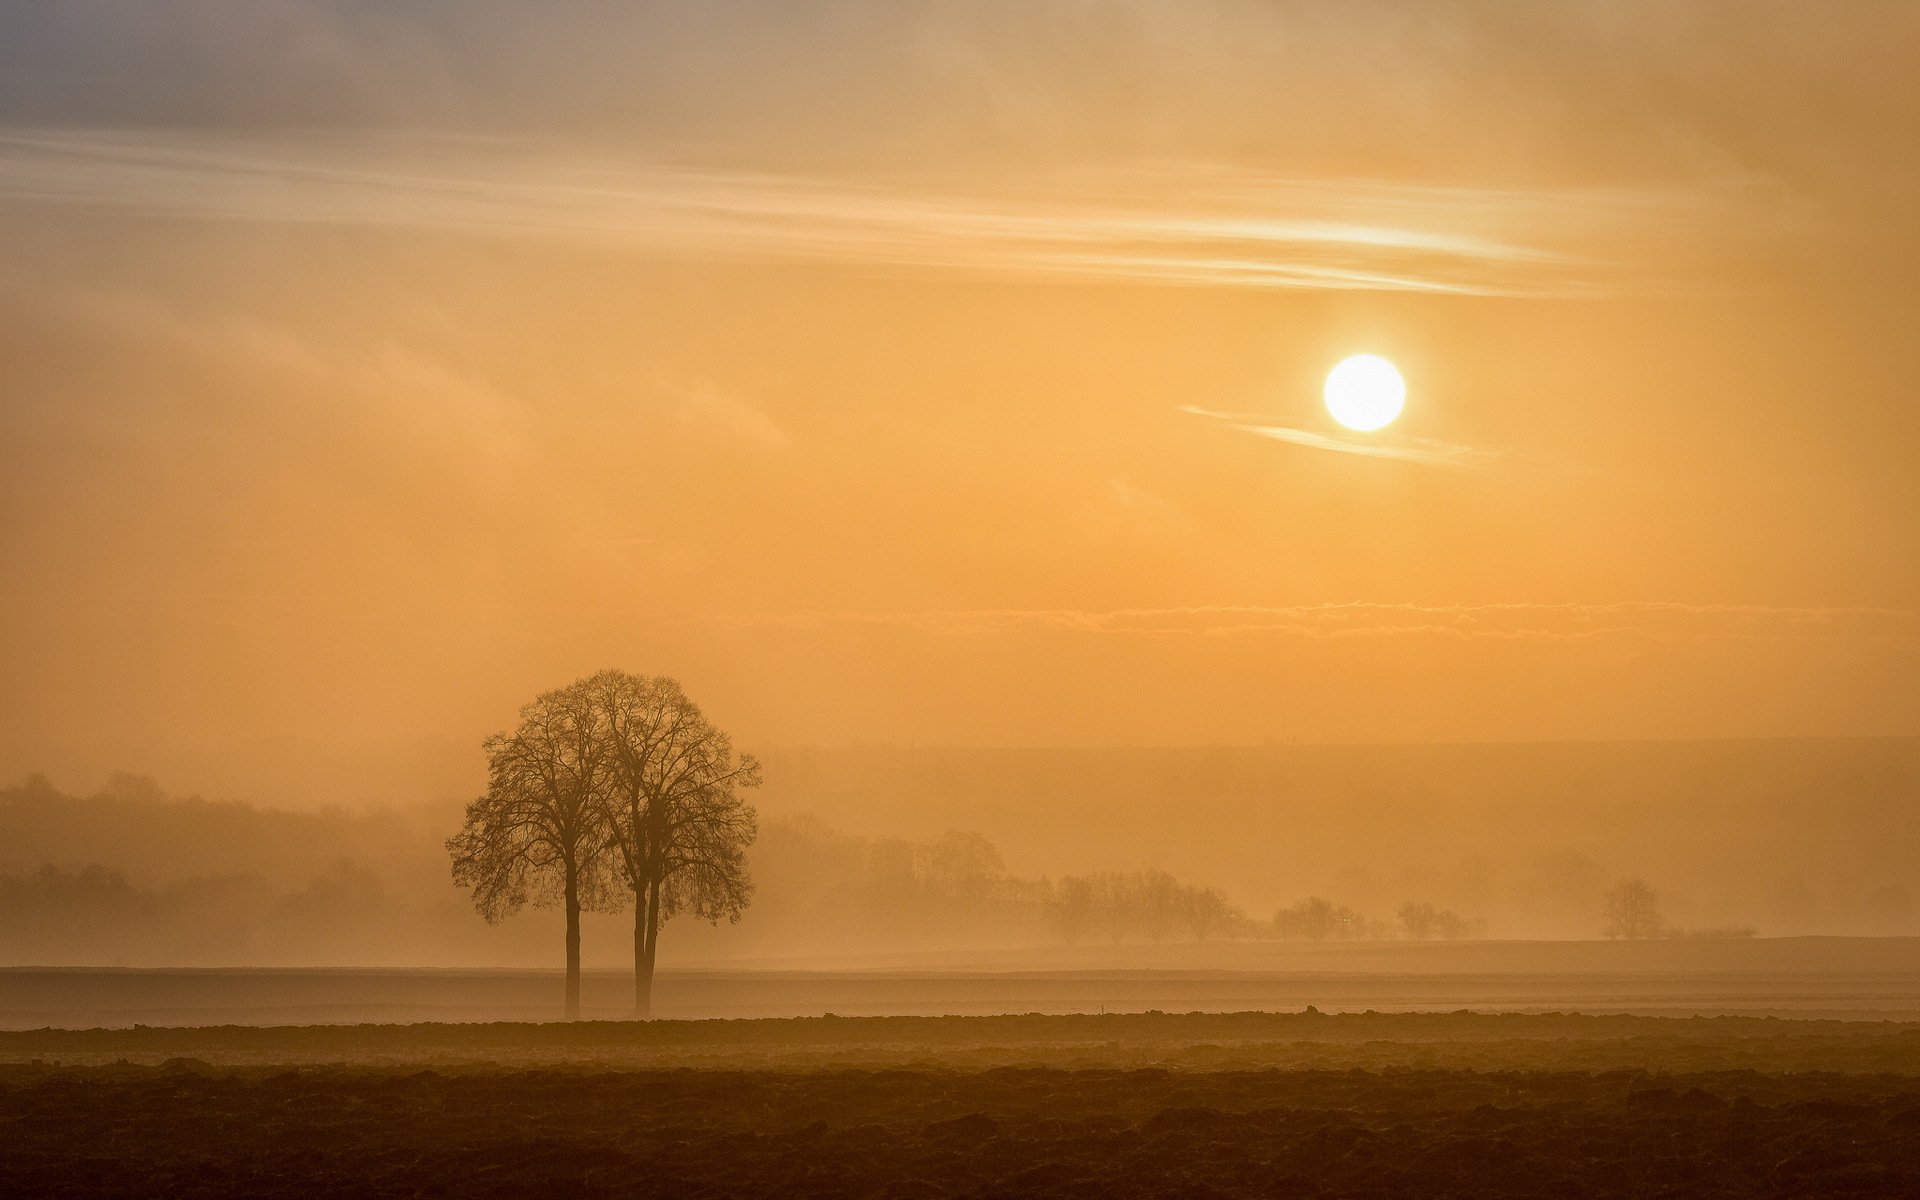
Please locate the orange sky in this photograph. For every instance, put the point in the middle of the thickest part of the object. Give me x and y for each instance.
(365, 369)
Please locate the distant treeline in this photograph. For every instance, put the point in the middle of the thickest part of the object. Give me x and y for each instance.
(889, 894)
(130, 875)
(94, 915)
(1795, 837)
(824, 885)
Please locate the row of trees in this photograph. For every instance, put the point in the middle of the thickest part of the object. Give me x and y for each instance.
(1152, 904)
(1632, 913)
(613, 791)
(1156, 906)
(1318, 919)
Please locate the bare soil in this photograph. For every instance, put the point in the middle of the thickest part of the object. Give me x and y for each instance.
(1433, 1105)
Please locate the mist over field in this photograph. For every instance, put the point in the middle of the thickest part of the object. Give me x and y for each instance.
(901, 855)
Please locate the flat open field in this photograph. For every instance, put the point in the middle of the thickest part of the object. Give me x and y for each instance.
(1252, 1104)
(1798, 977)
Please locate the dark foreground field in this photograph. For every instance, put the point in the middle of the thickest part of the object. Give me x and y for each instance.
(1138, 1105)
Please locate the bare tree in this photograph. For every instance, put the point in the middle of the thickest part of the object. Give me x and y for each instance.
(676, 821)
(1074, 908)
(1318, 919)
(1205, 911)
(1633, 910)
(538, 834)
(1158, 896)
(1116, 903)
(1422, 920)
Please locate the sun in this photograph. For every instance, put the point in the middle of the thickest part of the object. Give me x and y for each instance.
(1365, 392)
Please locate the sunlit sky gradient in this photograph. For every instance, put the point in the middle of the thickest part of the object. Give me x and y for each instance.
(949, 374)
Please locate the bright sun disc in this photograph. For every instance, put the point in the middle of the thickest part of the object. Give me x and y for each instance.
(1365, 393)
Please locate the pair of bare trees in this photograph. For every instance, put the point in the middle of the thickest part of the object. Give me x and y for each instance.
(613, 791)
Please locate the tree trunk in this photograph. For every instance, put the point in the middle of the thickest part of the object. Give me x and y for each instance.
(573, 945)
(646, 938)
(653, 938)
(642, 962)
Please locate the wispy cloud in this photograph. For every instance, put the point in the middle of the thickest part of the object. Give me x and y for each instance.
(704, 406)
(1372, 445)
(1195, 226)
(1662, 621)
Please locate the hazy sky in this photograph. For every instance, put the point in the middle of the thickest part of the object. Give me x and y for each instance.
(896, 372)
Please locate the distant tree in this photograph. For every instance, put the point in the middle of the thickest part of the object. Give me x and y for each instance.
(1633, 910)
(1108, 902)
(1422, 920)
(958, 860)
(539, 833)
(1205, 911)
(1121, 902)
(678, 827)
(1162, 903)
(1318, 919)
(1073, 908)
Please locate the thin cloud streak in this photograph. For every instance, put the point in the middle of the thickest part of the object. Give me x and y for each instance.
(1193, 226)
(1373, 445)
(1663, 621)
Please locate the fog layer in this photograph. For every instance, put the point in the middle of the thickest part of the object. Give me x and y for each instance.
(905, 852)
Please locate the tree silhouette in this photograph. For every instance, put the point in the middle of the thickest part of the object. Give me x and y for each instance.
(1152, 904)
(1317, 919)
(1422, 920)
(538, 834)
(1074, 908)
(1633, 910)
(1205, 911)
(677, 826)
